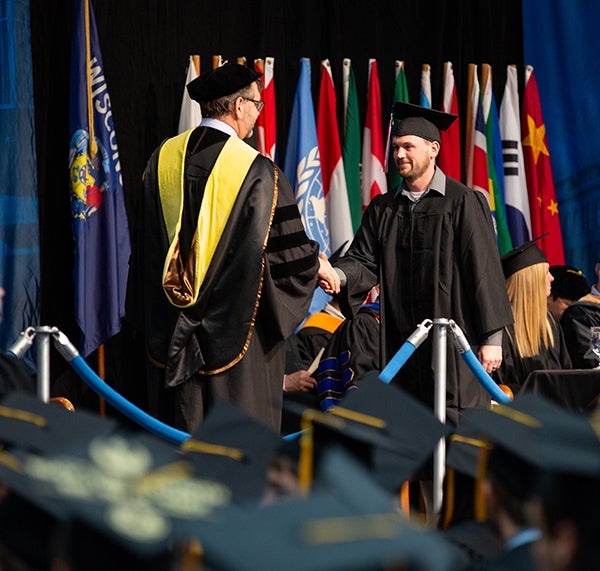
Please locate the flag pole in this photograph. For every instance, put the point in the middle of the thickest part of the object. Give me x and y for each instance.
(102, 375)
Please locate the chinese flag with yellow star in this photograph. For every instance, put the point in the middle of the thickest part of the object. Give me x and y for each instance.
(540, 182)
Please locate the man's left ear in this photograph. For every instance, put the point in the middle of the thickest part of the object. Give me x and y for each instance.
(434, 149)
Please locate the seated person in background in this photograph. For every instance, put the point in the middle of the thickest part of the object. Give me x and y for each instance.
(299, 381)
(535, 340)
(576, 322)
(352, 351)
(568, 286)
(305, 344)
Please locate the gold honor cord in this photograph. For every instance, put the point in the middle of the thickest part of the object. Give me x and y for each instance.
(23, 415)
(517, 416)
(193, 445)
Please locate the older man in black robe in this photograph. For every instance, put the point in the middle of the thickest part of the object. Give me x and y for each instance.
(221, 270)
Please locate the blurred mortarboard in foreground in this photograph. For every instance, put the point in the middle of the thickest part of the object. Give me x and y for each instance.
(523, 256)
(324, 531)
(377, 423)
(233, 448)
(221, 81)
(541, 433)
(31, 424)
(133, 489)
(409, 119)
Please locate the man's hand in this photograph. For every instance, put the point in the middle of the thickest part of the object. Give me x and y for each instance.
(490, 356)
(299, 381)
(329, 280)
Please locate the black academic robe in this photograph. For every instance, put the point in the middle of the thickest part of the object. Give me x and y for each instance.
(436, 258)
(257, 289)
(515, 369)
(575, 323)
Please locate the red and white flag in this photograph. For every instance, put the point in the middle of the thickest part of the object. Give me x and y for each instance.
(449, 159)
(476, 151)
(374, 181)
(266, 125)
(332, 164)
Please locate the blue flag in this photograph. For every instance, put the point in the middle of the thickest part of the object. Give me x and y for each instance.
(19, 228)
(100, 228)
(302, 162)
(303, 169)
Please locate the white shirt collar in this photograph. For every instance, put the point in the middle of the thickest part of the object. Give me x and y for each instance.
(218, 125)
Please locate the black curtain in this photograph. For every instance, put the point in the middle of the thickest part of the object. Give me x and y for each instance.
(145, 46)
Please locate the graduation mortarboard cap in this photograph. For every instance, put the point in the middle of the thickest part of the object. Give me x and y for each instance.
(377, 423)
(322, 531)
(409, 119)
(541, 433)
(233, 448)
(31, 424)
(523, 256)
(221, 81)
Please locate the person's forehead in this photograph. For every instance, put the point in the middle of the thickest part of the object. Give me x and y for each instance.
(408, 139)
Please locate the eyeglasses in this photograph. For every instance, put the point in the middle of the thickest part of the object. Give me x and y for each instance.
(259, 104)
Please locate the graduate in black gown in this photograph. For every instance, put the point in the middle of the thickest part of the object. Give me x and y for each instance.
(535, 341)
(431, 246)
(221, 269)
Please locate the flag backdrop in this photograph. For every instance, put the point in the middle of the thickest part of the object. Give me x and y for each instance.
(266, 125)
(19, 228)
(302, 163)
(190, 114)
(400, 94)
(449, 158)
(515, 182)
(373, 180)
(476, 167)
(567, 71)
(543, 206)
(351, 143)
(100, 228)
(425, 95)
(332, 165)
(494, 161)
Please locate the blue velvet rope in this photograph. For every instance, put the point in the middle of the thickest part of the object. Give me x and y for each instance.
(123, 405)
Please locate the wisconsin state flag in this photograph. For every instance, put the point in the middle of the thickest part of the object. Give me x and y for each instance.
(100, 229)
(543, 206)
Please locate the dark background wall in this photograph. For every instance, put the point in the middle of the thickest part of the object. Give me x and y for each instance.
(145, 46)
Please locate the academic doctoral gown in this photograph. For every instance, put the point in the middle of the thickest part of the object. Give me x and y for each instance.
(352, 351)
(436, 258)
(258, 287)
(515, 369)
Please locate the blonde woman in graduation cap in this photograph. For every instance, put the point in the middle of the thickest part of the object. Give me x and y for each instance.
(535, 341)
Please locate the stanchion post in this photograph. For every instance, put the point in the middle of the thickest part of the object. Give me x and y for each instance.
(440, 342)
(43, 361)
